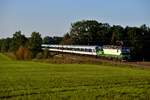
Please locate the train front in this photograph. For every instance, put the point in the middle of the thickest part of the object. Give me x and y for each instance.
(125, 52)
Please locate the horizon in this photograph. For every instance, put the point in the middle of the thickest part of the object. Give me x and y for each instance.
(54, 18)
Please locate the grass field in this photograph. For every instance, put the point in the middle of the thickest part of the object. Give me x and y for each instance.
(39, 81)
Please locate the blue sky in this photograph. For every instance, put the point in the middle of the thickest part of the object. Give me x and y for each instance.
(53, 17)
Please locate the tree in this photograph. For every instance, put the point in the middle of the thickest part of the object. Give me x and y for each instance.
(18, 40)
(85, 32)
(145, 41)
(48, 40)
(104, 35)
(5, 44)
(35, 43)
(66, 39)
(117, 34)
(1, 41)
(57, 40)
(134, 40)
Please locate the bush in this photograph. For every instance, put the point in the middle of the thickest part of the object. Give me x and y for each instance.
(11, 55)
(39, 55)
(23, 53)
(46, 53)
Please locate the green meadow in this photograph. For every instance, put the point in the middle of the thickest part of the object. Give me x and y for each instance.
(27, 80)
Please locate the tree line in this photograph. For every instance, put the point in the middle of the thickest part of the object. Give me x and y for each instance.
(91, 32)
(23, 47)
(85, 32)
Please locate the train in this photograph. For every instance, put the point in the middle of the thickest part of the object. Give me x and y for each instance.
(105, 51)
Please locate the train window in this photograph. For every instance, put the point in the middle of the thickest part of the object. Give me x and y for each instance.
(71, 49)
(86, 50)
(90, 50)
(82, 49)
(75, 49)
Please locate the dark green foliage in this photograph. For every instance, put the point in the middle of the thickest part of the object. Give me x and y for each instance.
(117, 34)
(29, 46)
(17, 41)
(91, 32)
(48, 40)
(35, 43)
(52, 40)
(5, 44)
(57, 40)
(87, 32)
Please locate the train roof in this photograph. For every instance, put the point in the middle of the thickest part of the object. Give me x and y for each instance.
(85, 46)
(71, 46)
(114, 47)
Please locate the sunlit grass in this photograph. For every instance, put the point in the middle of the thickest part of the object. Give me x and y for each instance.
(33, 80)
